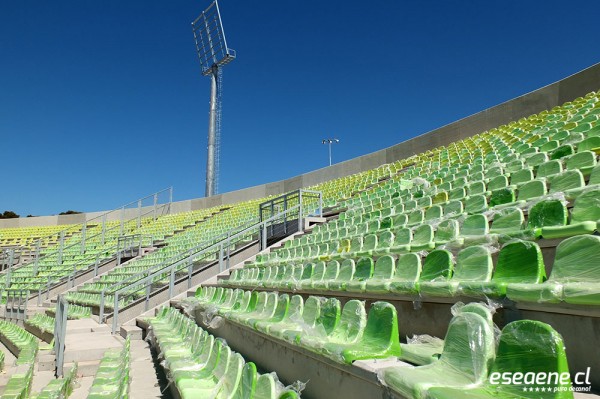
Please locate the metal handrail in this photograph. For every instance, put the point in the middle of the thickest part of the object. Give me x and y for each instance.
(59, 251)
(99, 257)
(148, 280)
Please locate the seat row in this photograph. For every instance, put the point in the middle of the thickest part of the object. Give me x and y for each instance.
(519, 273)
(201, 366)
(317, 324)
(112, 378)
(464, 360)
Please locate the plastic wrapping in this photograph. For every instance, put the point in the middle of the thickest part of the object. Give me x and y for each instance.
(574, 277)
(467, 354)
(530, 363)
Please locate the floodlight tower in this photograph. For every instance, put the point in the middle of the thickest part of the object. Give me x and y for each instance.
(213, 53)
(330, 142)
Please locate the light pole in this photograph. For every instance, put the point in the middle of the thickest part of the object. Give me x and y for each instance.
(330, 142)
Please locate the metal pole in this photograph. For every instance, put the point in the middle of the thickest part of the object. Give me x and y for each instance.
(139, 218)
(101, 310)
(62, 245)
(83, 231)
(122, 220)
(329, 152)
(115, 312)
(155, 204)
(212, 129)
(103, 227)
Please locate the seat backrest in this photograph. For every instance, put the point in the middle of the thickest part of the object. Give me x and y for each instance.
(232, 378)
(266, 387)
(312, 310)
(370, 242)
(480, 309)
(577, 259)
(386, 239)
(473, 263)
(281, 310)
(549, 168)
(381, 330)
(587, 207)
(547, 213)
(476, 204)
(408, 267)
(528, 346)
(385, 267)
(438, 266)
(352, 322)
(332, 270)
(347, 270)
(583, 159)
(508, 219)
(468, 346)
(521, 176)
(567, 180)
(364, 269)
(497, 183)
(329, 316)
(247, 387)
(435, 212)
(501, 196)
(532, 189)
(402, 236)
(453, 208)
(415, 217)
(447, 230)
(423, 234)
(475, 225)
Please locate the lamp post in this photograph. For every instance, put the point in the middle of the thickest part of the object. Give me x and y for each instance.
(329, 142)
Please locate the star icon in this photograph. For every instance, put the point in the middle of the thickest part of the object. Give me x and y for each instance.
(537, 389)
(531, 389)
(525, 389)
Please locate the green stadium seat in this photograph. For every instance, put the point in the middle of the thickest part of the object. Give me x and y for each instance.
(521, 176)
(473, 263)
(408, 271)
(525, 346)
(518, 262)
(364, 272)
(384, 270)
(468, 350)
(448, 232)
(575, 266)
(346, 274)
(422, 238)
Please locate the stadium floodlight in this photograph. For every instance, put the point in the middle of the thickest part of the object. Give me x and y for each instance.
(213, 53)
(330, 142)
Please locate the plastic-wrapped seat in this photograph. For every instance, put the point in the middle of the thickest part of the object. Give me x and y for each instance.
(548, 169)
(464, 362)
(569, 182)
(583, 161)
(438, 266)
(518, 262)
(425, 349)
(364, 271)
(448, 232)
(402, 239)
(378, 340)
(521, 176)
(407, 273)
(453, 209)
(473, 263)
(305, 316)
(476, 204)
(384, 270)
(524, 346)
(281, 312)
(347, 270)
(331, 272)
(549, 219)
(422, 238)
(317, 273)
(574, 276)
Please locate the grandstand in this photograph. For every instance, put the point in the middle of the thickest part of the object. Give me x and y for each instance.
(442, 267)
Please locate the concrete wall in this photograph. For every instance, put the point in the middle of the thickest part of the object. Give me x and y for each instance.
(547, 97)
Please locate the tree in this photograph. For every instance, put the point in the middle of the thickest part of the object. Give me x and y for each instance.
(69, 212)
(8, 215)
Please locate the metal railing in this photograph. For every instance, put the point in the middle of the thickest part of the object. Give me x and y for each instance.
(124, 244)
(15, 307)
(155, 208)
(185, 260)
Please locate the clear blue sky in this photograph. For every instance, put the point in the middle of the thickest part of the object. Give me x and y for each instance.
(102, 102)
